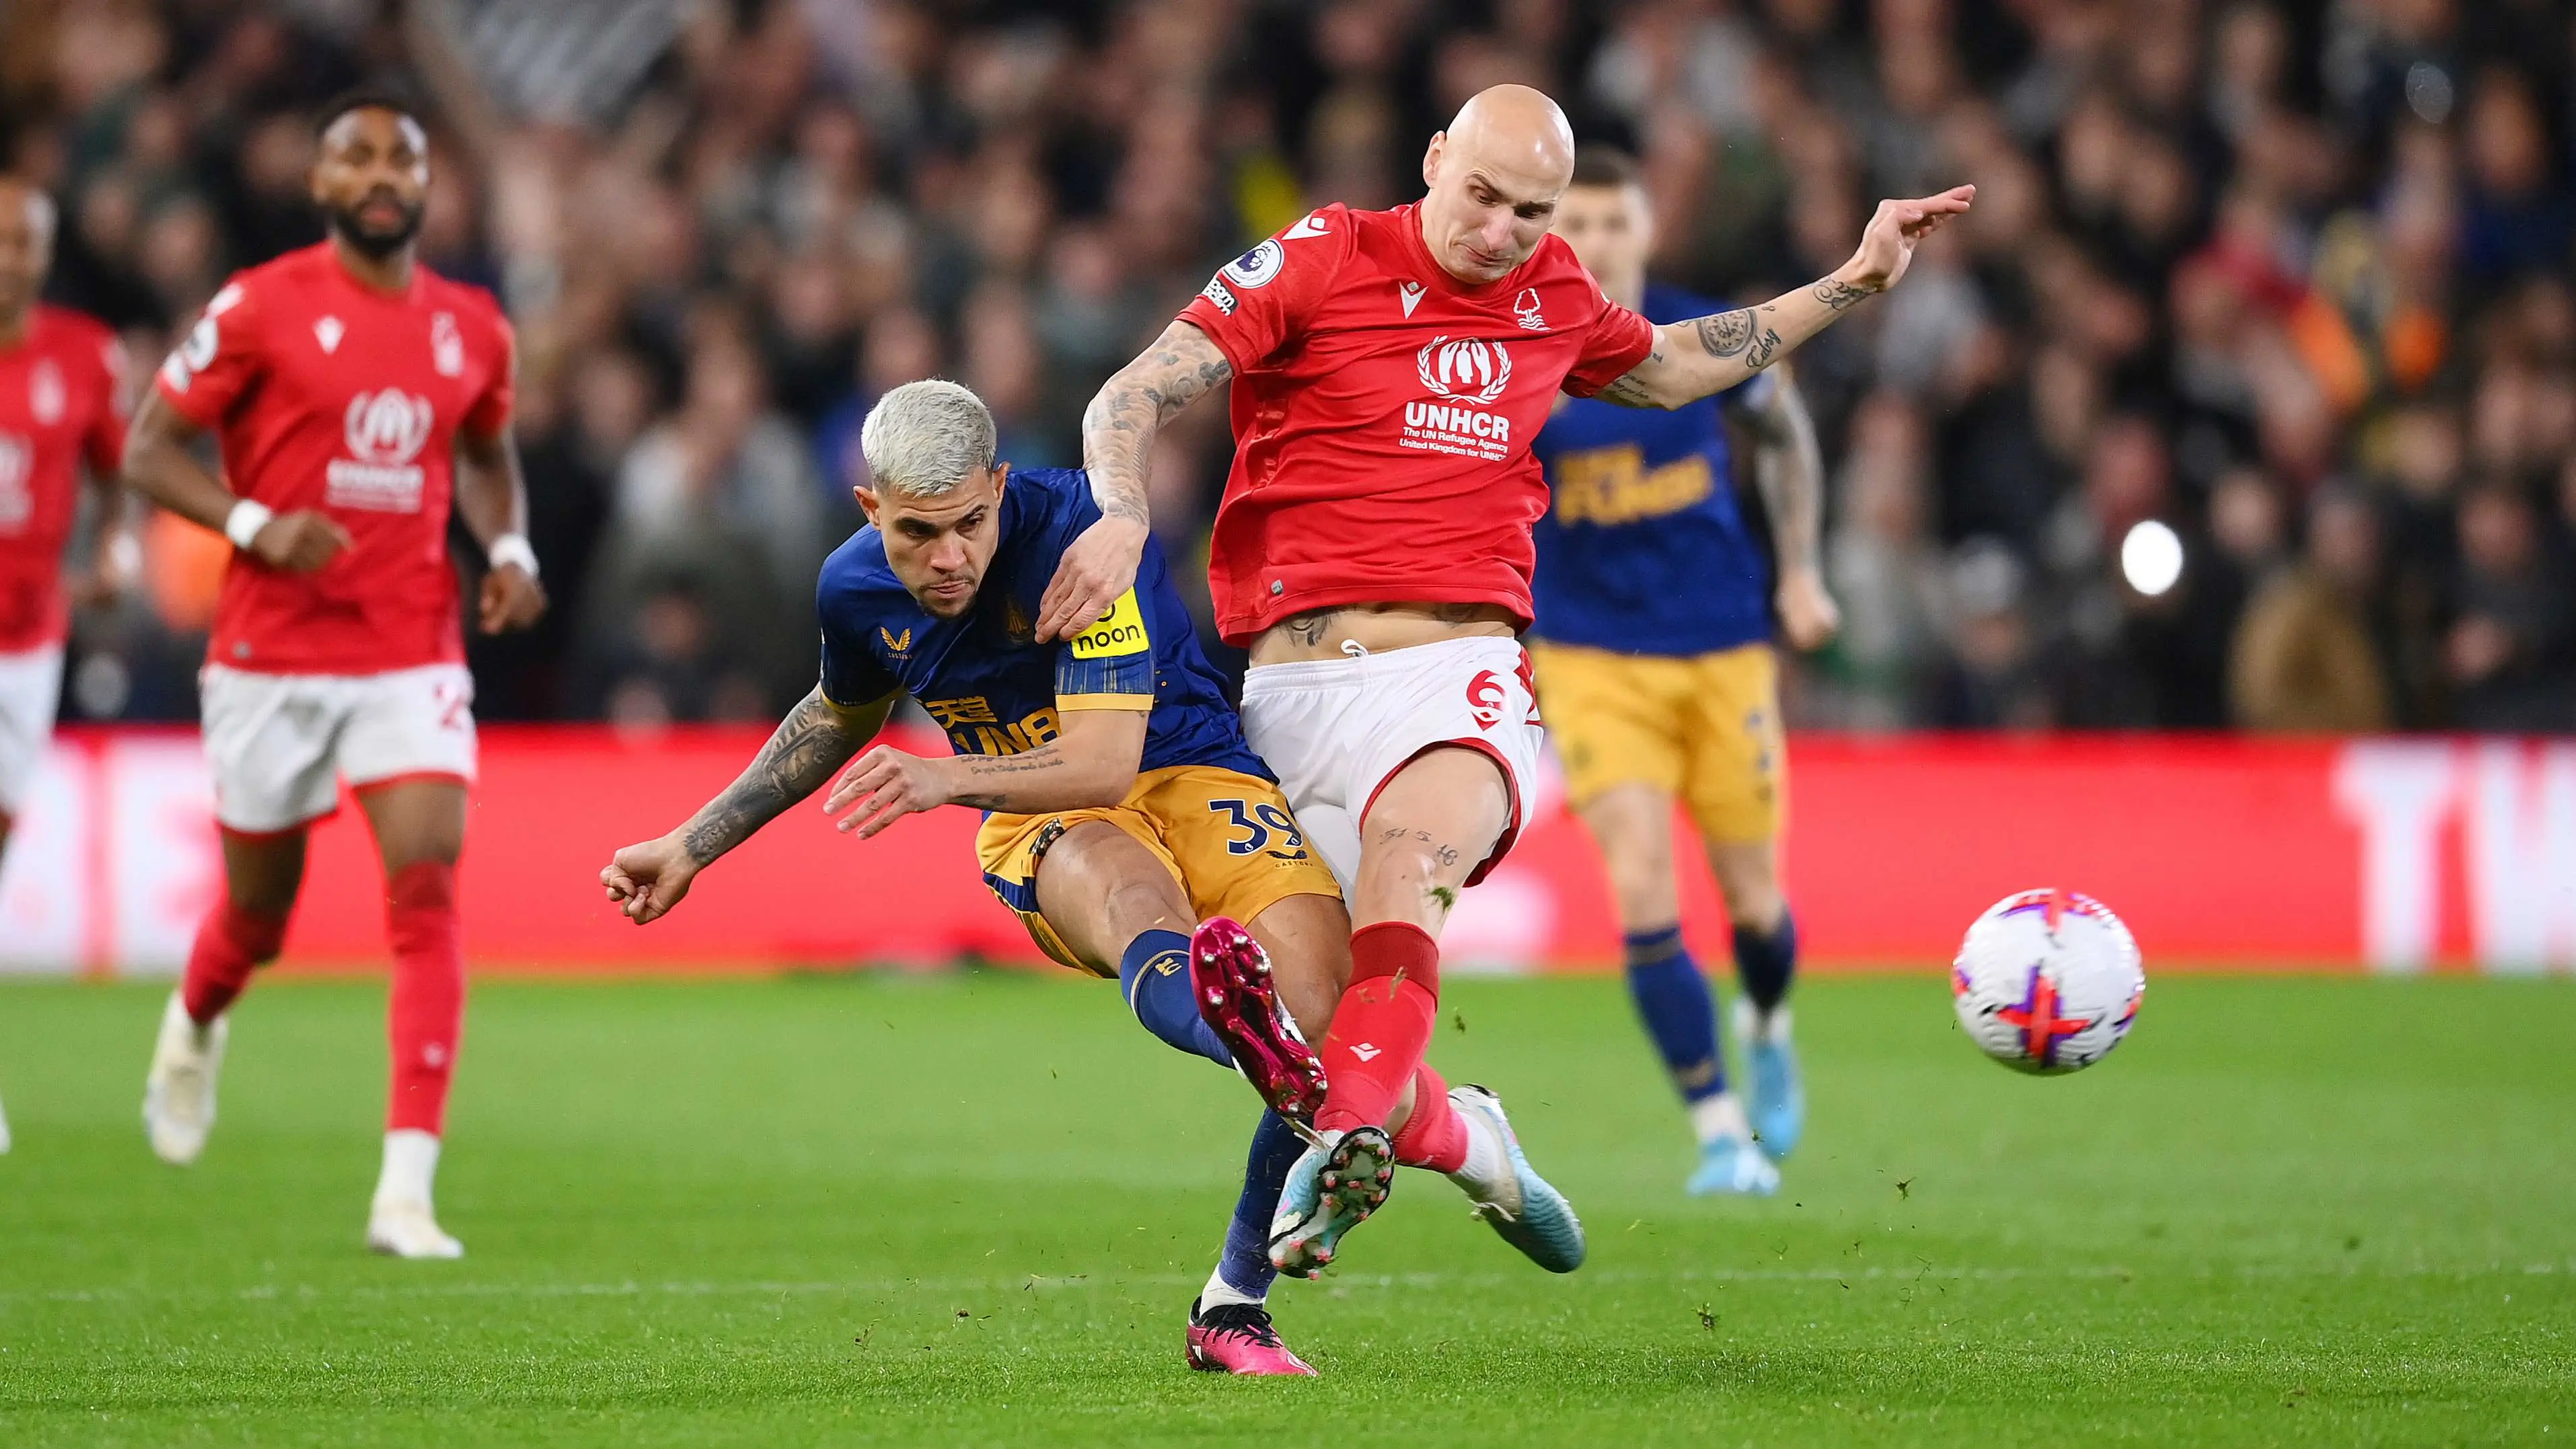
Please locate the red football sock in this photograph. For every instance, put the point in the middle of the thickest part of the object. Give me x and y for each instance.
(231, 943)
(428, 1003)
(1435, 1136)
(1381, 1025)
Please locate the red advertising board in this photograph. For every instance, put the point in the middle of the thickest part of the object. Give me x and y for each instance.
(2220, 851)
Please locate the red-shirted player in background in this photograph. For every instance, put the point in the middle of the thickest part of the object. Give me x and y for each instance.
(1373, 552)
(60, 408)
(355, 396)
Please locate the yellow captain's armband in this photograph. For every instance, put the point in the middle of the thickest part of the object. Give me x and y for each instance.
(1121, 634)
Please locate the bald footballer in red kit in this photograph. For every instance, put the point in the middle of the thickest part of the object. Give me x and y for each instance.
(1389, 372)
(356, 400)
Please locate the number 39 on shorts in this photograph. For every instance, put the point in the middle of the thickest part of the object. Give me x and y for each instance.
(1258, 826)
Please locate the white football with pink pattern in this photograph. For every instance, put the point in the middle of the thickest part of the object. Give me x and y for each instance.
(2047, 981)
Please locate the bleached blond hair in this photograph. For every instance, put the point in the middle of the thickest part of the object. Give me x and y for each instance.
(924, 438)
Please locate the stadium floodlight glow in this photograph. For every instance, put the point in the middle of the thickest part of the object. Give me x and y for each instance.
(2151, 557)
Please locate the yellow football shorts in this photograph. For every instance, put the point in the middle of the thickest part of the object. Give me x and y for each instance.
(1226, 837)
(1705, 728)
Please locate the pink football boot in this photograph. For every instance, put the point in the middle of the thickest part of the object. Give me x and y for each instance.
(1237, 1338)
(1230, 976)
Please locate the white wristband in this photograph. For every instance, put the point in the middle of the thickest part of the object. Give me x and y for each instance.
(512, 548)
(245, 521)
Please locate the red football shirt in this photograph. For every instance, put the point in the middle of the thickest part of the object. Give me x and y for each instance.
(1383, 413)
(61, 405)
(326, 393)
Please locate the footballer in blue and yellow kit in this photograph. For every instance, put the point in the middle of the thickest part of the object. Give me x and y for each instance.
(1653, 638)
(1203, 803)
(1652, 650)
(1111, 757)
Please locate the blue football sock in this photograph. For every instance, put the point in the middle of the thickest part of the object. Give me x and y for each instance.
(1765, 964)
(1673, 1000)
(1246, 1265)
(1155, 974)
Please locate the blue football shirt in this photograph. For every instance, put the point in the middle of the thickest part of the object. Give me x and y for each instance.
(1642, 549)
(982, 675)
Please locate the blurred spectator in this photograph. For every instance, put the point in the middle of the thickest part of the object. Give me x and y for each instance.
(2233, 263)
(726, 463)
(1886, 570)
(1991, 680)
(2305, 658)
(2507, 648)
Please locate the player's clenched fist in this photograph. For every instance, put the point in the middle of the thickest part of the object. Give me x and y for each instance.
(887, 785)
(300, 542)
(647, 880)
(1808, 614)
(511, 599)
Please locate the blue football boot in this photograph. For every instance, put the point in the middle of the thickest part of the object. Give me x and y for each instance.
(1731, 1166)
(1778, 1104)
(1532, 1216)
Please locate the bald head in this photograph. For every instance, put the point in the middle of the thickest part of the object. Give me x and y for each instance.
(1493, 180)
(1516, 128)
(26, 248)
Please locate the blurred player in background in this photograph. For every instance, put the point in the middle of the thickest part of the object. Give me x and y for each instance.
(1655, 672)
(61, 410)
(1390, 370)
(1123, 807)
(355, 397)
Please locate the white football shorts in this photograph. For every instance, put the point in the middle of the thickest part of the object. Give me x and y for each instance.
(281, 743)
(1335, 730)
(31, 684)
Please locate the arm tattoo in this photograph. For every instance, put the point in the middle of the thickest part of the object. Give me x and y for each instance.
(1840, 295)
(810, 744)
(993, 768)
(1626, 391)
(1740, 333)
(1118, 428)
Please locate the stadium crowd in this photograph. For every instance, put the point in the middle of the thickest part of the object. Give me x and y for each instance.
(2293, 279)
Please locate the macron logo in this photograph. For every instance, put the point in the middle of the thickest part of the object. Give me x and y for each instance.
(328, 332)
(1412, 295)
(1365, 1052)
(1307, 226)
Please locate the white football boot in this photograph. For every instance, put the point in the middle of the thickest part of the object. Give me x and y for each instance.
(4, 1131)
(406, 1228)
(179, 1095)
(400, 1222)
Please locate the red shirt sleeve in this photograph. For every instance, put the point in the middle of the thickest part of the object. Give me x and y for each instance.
(1259, 302)
(220, 360)
(1618, 340)
(491, 411)
(103, 445)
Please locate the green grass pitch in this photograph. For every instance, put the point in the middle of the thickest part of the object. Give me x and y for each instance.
(972, 1209)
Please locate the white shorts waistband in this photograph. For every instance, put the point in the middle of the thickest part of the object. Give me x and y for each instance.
(1355, 670)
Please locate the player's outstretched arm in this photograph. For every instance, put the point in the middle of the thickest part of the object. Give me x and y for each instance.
(1789, 471)
(1118, 432)
(1089, 765)
(816, 738)
(160, 465)
(1692, 360)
